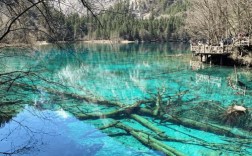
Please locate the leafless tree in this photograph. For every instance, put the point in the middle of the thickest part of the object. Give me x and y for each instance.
(217, 19)
(26, 21)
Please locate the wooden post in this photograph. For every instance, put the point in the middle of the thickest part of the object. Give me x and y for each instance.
(236, 76)
(204, 58)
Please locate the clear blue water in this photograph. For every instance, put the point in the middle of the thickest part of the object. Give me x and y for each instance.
(45, 123)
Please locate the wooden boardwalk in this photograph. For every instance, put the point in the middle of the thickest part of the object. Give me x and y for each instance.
(242, 42)
(221, 49)
(208, 49)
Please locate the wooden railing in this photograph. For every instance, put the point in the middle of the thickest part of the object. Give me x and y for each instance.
(208, 49)
(222, 49)
(245, 41)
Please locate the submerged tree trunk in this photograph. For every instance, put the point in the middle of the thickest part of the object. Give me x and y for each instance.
(131, 110)
(150, 141)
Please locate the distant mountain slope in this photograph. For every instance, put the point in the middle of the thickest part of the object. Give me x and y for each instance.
(143, 20)
(141, 8)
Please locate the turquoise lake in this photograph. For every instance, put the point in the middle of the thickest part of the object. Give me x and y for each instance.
(57, 100)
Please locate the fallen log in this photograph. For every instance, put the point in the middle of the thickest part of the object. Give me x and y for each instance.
(158, 103)
(7, 103)
(71, 95)
(198, 141)
(150, 141)
(208, 127)
(148, 124)
(213, 128)
(126, 110)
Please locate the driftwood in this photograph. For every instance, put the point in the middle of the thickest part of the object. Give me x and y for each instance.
(128, 109)
(70, 95)
(142, 135)
(7, 103)
(164, 137)
(135, 110)
(213, 128)
(150, 141)
(208, 127)
(148, 124)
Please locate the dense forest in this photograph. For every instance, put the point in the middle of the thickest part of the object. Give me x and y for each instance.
(140, 20)
(121, 23)
(125, 25)
(161, 20)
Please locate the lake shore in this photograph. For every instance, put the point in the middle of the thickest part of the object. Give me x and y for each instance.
(23, 45)
(109, 41)
(18, 45)
(41, 43)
